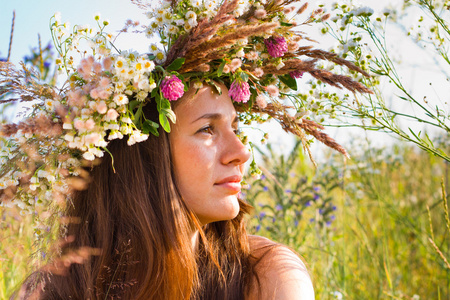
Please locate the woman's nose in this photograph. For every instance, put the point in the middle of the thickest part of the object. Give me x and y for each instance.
(234, 152)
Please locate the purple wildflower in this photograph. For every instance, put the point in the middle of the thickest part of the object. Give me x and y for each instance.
(307, 204)
(172, 88)
(263, 177)
(321, 211)
(276, 46)
(239, 91)
(316, 197)
(296, 74)
(296, 223)
(278, 207)
(316, 188)
(334, 207)
(288, 191)
(258, 227)
(262, 215)
(265, 189)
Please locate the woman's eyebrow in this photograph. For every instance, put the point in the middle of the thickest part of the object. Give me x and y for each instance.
(211, 116)
(215, 116)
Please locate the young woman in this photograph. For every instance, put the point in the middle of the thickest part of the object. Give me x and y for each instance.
(168, 221)
(160, 215)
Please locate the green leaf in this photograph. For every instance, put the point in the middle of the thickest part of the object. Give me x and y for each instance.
(137, 115)
(165, 104)
(164, 121)
(286, 24)
(150, 127)
(243, 76)
(220, 69)
(176, 64)
(154, 92)
(289, 81)
(216, 87)
(170, 114)
(132, 105)
(151, 57)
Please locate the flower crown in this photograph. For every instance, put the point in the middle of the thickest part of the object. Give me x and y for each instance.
(253, 47)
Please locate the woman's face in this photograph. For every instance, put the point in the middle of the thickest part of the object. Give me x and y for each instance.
(208, 156)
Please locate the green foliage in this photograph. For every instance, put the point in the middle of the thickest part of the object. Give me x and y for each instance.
(378, 246)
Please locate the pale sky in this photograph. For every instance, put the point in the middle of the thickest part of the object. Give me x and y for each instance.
(33, 16)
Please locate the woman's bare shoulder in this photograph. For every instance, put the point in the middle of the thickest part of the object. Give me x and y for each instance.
(281, 273)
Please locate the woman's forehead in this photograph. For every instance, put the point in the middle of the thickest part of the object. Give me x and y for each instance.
(205, 102)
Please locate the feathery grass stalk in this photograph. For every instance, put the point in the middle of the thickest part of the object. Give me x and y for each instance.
(11, 35)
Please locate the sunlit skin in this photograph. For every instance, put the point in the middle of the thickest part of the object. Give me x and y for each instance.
(208, 156)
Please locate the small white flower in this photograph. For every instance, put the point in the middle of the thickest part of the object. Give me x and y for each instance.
(240, 53)
(142, 95)
(148, 65)
(50, 178)
(126, 130)
(42, 173)
(242, 42)
(168, 18)
(119, 87)
(126, 120)
(280, 65)
(57, 16)
(192, 22)
(113, 127)
(69, 137)
(172, 29)
(159, 19)
(160, 56)
(191, 15)
(50, 105)
(337, 294)
(120, 99)
(33, 187)
(198, 85)
(197, 3)
(88, 156)
(115, 135)
(153, 48)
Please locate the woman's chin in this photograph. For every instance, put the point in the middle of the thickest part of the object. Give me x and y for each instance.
(227, 211)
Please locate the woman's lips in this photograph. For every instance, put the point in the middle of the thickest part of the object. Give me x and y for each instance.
(232, 183)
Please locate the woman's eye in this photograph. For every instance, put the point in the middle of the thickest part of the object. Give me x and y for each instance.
(207, 129)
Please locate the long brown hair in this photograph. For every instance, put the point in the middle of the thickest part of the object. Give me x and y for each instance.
(132, 211)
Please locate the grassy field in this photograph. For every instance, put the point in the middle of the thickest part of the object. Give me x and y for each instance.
(363, 226)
